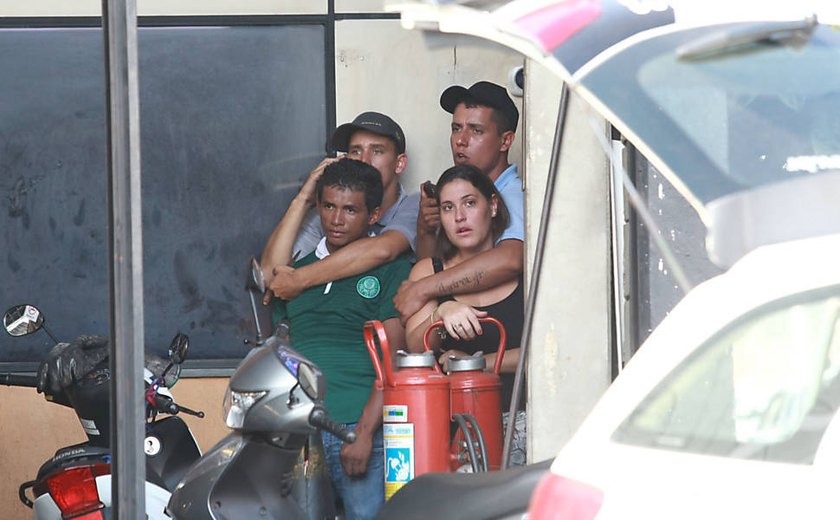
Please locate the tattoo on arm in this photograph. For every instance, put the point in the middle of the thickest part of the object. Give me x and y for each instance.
(467, 282)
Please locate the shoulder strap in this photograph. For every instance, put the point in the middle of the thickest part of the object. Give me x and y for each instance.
(437, 264)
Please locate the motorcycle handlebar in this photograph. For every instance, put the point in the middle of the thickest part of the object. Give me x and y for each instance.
(165, 404)
(320, 419)
(187, 411)
(30, 381)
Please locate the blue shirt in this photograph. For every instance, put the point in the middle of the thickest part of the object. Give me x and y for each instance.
(509, 185)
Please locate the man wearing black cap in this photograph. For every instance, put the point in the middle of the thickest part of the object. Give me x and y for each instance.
(372, 138)
(483, 127)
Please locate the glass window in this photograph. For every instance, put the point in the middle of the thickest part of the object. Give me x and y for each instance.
(217, 152)
(734, 120)
(765, 389)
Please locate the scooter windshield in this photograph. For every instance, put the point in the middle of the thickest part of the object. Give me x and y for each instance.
(309, 377)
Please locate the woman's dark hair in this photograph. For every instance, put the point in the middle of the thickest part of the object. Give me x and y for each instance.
(353, 175)
(486, 188)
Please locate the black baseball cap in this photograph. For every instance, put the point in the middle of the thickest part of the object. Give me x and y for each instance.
(484, 93)
(371, 122)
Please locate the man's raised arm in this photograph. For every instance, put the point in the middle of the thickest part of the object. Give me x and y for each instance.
(428, 223)
(354, 258)
(278, 248)
(483, 271)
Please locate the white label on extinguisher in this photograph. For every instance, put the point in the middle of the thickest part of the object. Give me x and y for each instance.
(395, 413)
(399, 456)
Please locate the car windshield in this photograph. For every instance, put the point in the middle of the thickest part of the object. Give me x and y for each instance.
(730, 120)
(764, 389)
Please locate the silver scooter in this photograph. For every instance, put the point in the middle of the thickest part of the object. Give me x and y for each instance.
(271, 466)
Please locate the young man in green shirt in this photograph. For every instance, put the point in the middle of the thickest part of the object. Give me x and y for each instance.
(327, 327)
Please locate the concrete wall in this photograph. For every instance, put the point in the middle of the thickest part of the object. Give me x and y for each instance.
(569, 360)
(382, 67)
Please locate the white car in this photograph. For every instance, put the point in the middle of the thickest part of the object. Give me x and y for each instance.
(729, 410)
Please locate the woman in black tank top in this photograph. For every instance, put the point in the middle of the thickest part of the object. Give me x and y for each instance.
(473, 215)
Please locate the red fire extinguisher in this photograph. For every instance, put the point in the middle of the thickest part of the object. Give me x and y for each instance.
(476, 394)
(415, 411)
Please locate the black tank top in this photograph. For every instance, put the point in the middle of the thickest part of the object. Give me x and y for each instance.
(511, 313)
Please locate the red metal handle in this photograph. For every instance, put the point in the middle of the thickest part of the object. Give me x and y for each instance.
(500, 352)
(386, 378)
(426, 343)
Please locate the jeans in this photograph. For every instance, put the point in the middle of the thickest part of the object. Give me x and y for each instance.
(362, 496)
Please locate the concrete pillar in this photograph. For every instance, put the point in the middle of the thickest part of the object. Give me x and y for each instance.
(569, 357)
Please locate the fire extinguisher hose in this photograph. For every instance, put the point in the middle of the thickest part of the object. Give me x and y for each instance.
(479, 435)
(469, 426)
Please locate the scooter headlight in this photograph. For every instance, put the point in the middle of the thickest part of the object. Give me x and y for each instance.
(237, 405)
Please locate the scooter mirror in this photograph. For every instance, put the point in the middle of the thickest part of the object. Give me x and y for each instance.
(311, 381)
(171, 376)
(178, 348)
(21, 320)
(256, 282)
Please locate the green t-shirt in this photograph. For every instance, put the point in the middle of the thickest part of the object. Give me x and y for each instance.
(327, 323)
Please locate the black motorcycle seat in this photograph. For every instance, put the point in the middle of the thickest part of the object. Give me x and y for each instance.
(468, 496)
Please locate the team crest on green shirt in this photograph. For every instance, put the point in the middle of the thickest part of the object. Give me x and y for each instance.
(368, 287)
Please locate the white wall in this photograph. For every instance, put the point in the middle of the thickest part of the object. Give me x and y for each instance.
(382, 67)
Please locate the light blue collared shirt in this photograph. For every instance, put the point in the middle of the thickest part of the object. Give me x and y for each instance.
(509, 185)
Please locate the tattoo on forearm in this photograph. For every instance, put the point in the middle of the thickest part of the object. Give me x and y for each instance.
(472, 281)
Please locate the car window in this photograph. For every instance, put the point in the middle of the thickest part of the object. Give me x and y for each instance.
(733, 120)
(765, 389)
